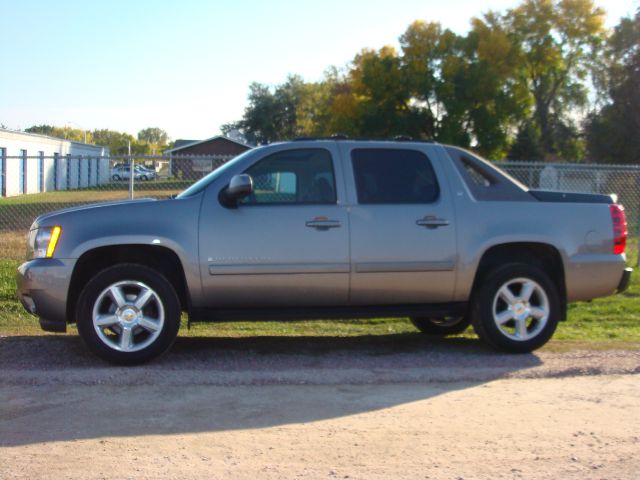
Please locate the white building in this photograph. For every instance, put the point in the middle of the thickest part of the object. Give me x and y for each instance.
(33, 163)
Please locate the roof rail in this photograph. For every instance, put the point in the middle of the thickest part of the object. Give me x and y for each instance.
(335, 136)
(397, 138)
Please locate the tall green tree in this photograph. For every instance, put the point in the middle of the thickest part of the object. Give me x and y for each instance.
(424, 46)
(153, 135)
(272, 114)
(256, 124)
(118, 142)
(155, 138)
(558, 43)
(381, 94)
(613, 133)
(331, 107)
(462, 86)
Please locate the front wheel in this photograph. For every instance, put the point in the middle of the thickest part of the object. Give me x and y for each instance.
(128, 314)
(517, 308)
(441, 326)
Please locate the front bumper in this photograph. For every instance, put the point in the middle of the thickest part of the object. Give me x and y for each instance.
(624, 281)
(43, 286)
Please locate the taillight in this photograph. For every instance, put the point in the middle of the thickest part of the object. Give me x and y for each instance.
(620, 232)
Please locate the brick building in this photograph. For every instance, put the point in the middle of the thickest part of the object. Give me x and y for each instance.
(191, 159)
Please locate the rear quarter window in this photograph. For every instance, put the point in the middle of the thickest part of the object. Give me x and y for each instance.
(485, 181)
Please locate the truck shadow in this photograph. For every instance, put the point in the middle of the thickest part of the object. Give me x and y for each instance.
(53, 390)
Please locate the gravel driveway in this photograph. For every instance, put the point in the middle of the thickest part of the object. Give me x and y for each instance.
(63, 360)
(367, 407)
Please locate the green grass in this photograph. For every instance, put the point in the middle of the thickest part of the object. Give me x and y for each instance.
(606, 323)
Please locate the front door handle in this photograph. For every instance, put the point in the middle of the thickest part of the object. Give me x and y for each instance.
(431, 222)
(323, 223)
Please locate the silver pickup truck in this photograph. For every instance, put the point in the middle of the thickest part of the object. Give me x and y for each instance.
(327, 229)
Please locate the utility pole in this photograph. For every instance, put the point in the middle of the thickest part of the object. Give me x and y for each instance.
(131, 173)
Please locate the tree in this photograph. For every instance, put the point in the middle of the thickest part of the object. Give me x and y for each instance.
(153, 135)
(520, 75)
(154, 138)
(381, 94)
(557, 47)
(258, 122)
(462, 88)
(43, 130)
(118, 142)
(272, 114)
(330, 106)
(527, 145)
(613, 132)
(68, 133)
(424, 45)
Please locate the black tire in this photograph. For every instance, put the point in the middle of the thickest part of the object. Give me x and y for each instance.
(523, 324)
(115, 334)
(441, 326)
(144, 178)
(116, 178)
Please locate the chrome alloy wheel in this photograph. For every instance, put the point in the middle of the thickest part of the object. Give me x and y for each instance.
(521, 309)
(128, 316)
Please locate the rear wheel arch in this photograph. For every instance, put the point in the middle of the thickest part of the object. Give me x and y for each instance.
(516, 308)
(161, 259)
(541, 255)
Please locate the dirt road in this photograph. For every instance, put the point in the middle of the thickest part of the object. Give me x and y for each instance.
(318, 408)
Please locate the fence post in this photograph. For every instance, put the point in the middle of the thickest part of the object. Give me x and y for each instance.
(131, 173)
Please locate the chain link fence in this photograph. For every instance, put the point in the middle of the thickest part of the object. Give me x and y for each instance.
(32, 186)
(622, 180)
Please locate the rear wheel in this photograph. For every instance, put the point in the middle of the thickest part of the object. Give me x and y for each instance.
(441, 326)
(516, 309)
(115, 177)
(128, 314)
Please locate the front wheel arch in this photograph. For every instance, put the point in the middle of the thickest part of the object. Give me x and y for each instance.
(128, 314)
(159, 258)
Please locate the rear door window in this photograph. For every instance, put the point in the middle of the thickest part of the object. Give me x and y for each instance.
(394, 176)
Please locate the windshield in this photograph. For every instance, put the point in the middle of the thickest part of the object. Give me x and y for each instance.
(204, 182)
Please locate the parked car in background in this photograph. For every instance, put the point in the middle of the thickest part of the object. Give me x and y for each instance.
(122, 172)
(328, 229)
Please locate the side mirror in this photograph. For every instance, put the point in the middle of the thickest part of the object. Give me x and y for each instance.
(239, 187)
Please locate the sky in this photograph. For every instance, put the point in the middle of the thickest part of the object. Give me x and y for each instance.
(186, 65)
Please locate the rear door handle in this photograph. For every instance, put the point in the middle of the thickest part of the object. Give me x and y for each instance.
(432, 222)
(323, 224)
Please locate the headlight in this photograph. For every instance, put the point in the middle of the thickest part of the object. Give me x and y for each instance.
(44, 242)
